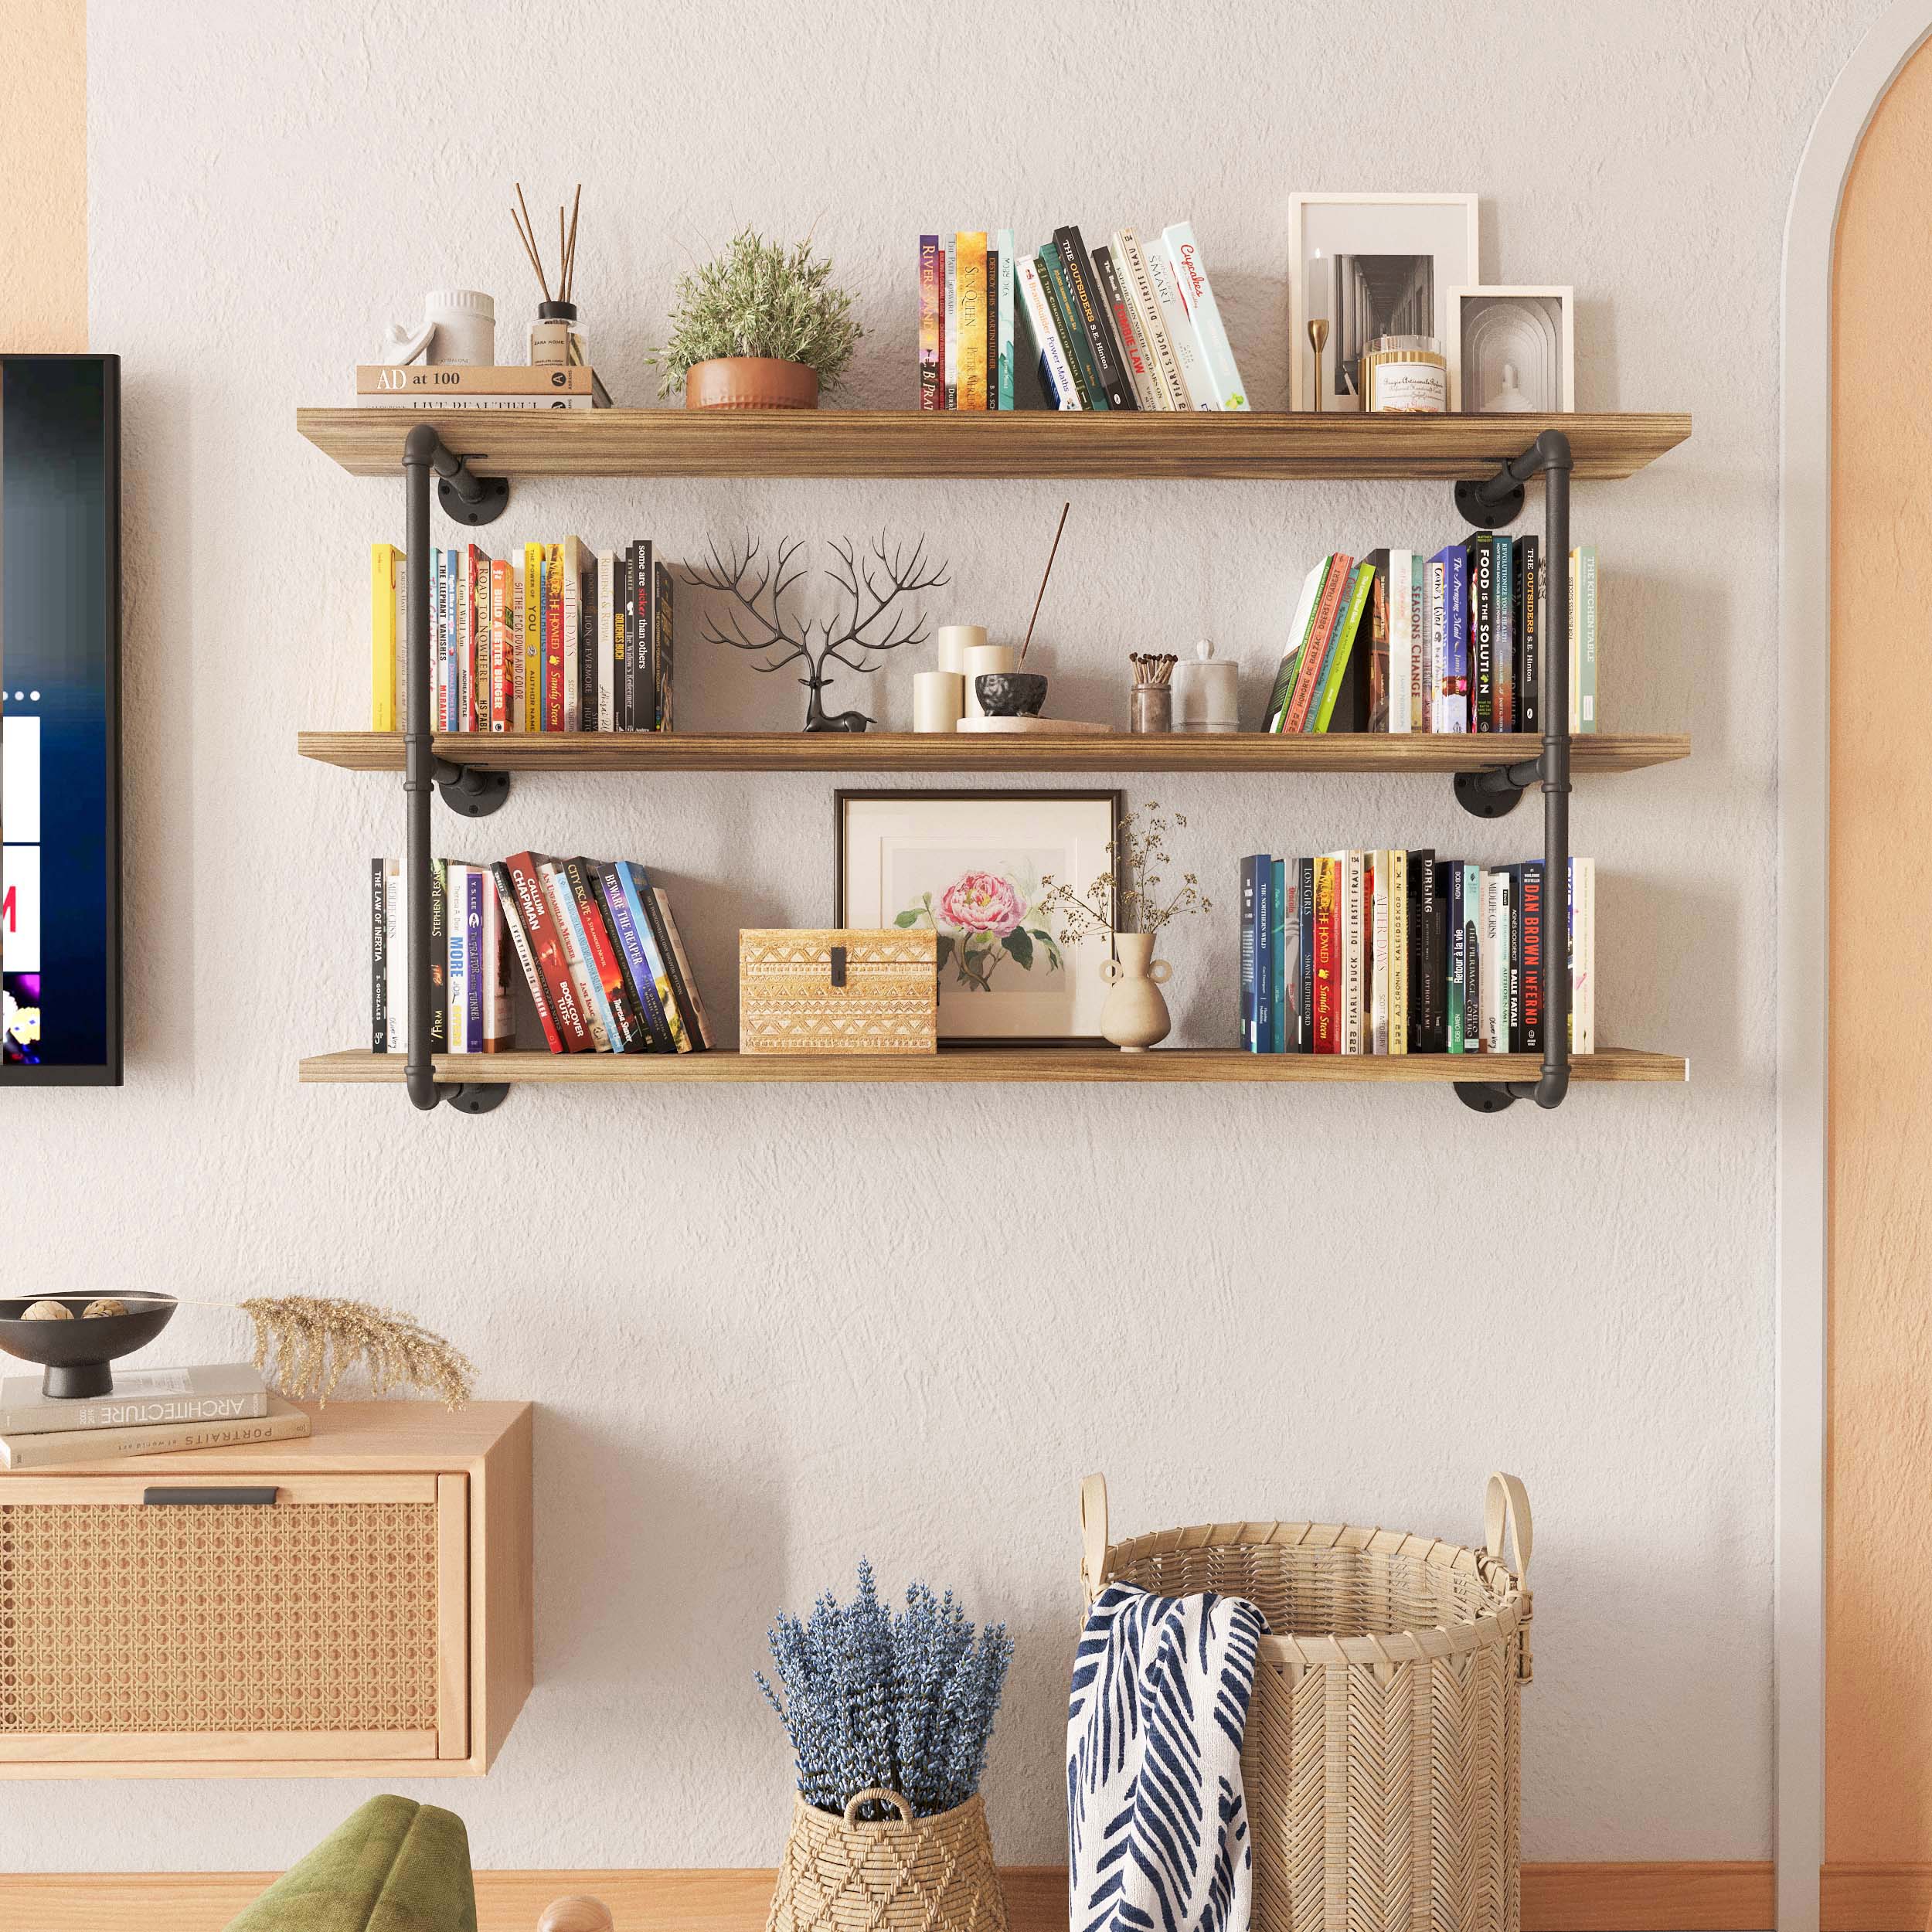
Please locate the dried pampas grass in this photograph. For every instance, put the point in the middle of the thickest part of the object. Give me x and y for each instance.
(314, 1340)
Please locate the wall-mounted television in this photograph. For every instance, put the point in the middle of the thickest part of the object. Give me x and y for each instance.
(60, 720)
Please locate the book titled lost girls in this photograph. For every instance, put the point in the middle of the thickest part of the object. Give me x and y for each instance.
(141, 1398)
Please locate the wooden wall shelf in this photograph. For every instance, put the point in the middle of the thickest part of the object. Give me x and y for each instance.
(878, 443)
(981, 1064)
(883, 751)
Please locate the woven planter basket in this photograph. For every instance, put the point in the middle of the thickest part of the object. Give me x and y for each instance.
(907, 1875)
(1380, 1761)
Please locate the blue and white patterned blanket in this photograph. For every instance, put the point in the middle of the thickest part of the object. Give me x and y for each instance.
(1157, 1823)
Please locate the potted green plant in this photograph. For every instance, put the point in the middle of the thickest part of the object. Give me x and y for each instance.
(758, 329)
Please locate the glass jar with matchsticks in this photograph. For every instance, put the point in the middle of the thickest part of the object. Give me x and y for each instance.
(1152, 708)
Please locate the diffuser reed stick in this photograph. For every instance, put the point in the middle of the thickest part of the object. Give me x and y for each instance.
(1051, 554)
(566, 243)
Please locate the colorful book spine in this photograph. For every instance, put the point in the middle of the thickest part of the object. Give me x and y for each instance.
(475, 989)
(576, 955)
(932, 375)
(466, 589)
(1427, 1028)
(1360, 591)
(607, 631)
(553, 637)
(1073, 333)
(1197, 386)
(1279, 929)
(620, 626)
(1250, 954)
(1055, 372)
(1325, 1005)
(388, 583)
(1376, 886)
(1503, 675)
(1455, 639)
(949, 342)
(439, 956)
(379, 956)
(1135, 356)
(1314, 654)
(1528, 953)
(498, 1015)
(526, 957)
(970, 256)
(459, 987)
(1480, 552)
(637, 639)
(1355, 954)
(633, 882)
(1530, 665)
(571, 557)
(1131, 259)
(502, 675)
(1472, 959)
(1003, 313)
(1449, 878)
(533, 707)
(1090, 315)
(547, 946)
(632, 951)
(1305, 1001)
(1197, 295)
(1436, 622)
(601, 960)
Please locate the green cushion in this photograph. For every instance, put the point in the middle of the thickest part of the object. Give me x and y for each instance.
(393, 1866)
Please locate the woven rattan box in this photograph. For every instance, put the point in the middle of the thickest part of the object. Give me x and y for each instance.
(1381, 1759)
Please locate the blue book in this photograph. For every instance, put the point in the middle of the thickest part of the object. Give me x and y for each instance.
(1264, 945)
(1281, 926)
(636, 963)
(565, 908)
(634, 882)
(1454, 705)
(1250, 1029)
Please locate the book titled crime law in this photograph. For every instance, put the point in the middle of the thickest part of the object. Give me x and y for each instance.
(281, 1422)
(226, 1392)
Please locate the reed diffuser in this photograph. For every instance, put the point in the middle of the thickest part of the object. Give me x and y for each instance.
(557, 336)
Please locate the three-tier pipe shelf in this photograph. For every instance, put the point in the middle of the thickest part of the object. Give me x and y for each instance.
(1490, 460)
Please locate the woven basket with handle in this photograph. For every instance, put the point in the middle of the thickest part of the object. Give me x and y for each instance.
(1380, 1761)
(907, 1875)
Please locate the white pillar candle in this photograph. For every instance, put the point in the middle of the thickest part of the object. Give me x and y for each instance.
(954, 641)
(980, 659)
(939, 700)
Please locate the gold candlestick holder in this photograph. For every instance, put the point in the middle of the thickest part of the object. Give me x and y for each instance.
(1318, 342)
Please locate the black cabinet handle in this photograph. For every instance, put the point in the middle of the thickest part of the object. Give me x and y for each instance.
(162, 1493)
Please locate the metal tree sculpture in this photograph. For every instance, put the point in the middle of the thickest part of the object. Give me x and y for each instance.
(758, 592)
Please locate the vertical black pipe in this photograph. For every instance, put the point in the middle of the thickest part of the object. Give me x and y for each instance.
(1553, 447)
(419, 452)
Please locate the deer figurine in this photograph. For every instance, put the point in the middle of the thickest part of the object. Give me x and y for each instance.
(756, 618)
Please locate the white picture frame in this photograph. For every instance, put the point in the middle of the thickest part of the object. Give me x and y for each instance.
(1554, 306)
(1443, 228)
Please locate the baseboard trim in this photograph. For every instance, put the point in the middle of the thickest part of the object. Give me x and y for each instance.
(1624, 1897)
(1876, 1898)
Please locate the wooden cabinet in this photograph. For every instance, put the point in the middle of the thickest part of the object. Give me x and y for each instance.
(355, 1604)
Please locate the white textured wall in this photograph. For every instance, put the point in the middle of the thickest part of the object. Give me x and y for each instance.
(771, 1328)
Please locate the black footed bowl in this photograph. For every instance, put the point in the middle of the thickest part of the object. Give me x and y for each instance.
(75, 1354)
(1011, 694)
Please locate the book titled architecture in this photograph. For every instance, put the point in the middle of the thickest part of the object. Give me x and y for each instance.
(279, 1422)
(225, 1392)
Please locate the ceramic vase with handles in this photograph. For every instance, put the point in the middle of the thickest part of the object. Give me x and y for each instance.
(1135, 1016)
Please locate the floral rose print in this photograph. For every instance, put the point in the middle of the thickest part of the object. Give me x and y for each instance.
(982, 902)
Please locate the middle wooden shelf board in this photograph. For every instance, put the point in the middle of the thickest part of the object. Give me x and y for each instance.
(892, 751)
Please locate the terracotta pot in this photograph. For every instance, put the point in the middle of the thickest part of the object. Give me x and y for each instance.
(750, 382)
(1135, 1016)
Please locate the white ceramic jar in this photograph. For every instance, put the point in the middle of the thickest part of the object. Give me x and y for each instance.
(465, 320)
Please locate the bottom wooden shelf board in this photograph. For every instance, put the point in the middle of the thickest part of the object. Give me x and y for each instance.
(991, 1064)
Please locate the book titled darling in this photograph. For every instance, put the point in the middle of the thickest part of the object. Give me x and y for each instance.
(228, 1392)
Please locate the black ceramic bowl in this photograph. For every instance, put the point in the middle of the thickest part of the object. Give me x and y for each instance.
(1011, 694)
(75, 1354)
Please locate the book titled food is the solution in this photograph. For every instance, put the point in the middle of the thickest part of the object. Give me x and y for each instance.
(226, 1392)
(281, 1422)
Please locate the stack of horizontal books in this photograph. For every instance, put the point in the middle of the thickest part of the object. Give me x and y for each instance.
(477, 385)
(148, 1413)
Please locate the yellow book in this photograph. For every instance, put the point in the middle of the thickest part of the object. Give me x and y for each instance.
(533, 637)
(387, 579)
(970, 251)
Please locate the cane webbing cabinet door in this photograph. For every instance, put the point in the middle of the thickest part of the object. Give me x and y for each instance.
(356, 1604)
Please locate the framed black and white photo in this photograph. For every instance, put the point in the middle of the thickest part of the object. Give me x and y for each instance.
(974, 867)
(1512, 350)
(1369, 265)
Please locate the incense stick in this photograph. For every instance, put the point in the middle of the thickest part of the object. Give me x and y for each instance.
(1051, 554)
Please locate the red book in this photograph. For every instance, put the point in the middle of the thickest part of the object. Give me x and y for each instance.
(564, 1022)
(506, 897)
(553, 637)
(1328, 958)
(1315, 652)
(500, 663)
(475, 691)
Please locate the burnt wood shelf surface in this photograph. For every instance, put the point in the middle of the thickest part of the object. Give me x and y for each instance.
(883, 751)
(1052, 444)
(980, 1065)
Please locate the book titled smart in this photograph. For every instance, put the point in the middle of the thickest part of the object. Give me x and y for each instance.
(141, 1398)
(282, 1422)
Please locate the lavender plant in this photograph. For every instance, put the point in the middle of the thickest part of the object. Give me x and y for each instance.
(903, 1703)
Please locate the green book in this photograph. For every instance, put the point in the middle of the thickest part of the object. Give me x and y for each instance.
(1066, 319)
(1305, 610)
(1353, 605)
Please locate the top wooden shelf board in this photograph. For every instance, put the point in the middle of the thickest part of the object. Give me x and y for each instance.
(1021, 444)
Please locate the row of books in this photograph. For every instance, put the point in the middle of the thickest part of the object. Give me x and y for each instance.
(1403, 952)
(564, 639)
(1455, 642)
(1124, 327)
(478, 386)
(597, 943)
(149, 1411)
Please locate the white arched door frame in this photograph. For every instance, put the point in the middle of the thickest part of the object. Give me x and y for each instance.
(1803, 831)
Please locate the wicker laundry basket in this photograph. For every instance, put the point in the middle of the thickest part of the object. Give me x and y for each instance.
(1380, 1761)
(907, 1875)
